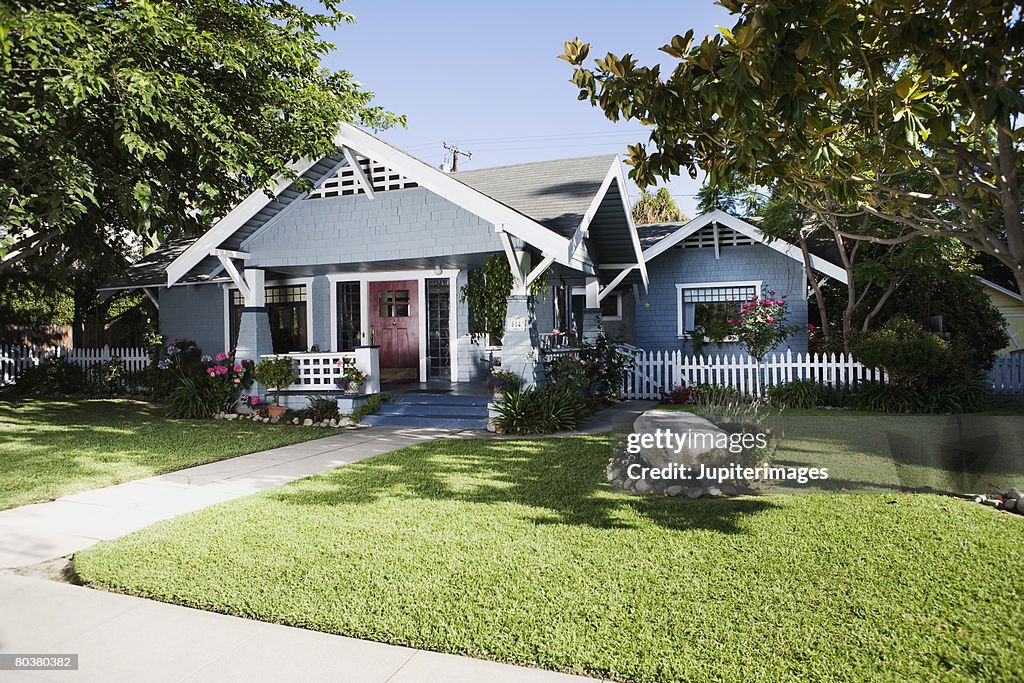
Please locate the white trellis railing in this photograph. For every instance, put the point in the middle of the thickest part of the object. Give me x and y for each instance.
(14, 360)
(657, 372)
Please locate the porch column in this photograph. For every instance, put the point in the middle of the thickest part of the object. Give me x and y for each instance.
(520, 346)
(254, 339)
(368, 361)
(592, 311)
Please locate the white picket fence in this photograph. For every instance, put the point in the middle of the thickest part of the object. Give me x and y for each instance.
(658, 372)
(1007, 374)
(14, 360)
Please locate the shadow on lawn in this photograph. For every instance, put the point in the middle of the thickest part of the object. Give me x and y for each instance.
(554, 481)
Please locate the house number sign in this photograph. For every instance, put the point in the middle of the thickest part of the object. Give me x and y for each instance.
(516, 323)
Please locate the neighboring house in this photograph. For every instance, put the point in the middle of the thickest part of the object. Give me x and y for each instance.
(711, 264)
(1011, 304)
(375, 248)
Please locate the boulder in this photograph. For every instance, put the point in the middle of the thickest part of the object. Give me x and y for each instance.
(308, 422)
(698, 444)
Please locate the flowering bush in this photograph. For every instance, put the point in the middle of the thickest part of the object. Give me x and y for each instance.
(760, 324)
(680, 395)
(596, 370)
(350, 374)
(202, 385)
(503, 381)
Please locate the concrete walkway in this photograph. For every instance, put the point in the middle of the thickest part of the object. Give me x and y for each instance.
(45, 531)
(122, 638)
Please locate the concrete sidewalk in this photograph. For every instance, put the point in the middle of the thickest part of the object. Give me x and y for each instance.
(123, 638)
(44, 531)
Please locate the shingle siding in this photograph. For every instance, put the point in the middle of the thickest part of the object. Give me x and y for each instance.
(194, 312)
(398, 224)
(657, 314)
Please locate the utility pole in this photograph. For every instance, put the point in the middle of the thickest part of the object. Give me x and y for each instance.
(454, 149)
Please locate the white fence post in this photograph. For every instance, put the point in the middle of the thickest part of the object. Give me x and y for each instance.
(14, 360)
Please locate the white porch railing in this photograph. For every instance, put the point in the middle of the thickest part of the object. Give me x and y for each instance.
(321, 371)
(658, 372)
(14, 360)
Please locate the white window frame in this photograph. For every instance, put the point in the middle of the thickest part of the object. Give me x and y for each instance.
(307, 281)
(680, 306)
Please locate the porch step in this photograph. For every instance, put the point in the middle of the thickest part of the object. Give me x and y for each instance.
(444, 411)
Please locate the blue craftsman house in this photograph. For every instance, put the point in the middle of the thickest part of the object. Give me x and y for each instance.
(366, 257)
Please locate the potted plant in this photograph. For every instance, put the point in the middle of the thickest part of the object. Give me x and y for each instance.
(278, 373)
(503, 381)
(351, 378)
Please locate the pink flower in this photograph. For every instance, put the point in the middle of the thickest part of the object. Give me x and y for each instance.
(770, 319)
(238, 380)
(238, 368)
(255, 400)
(211, 372)
(810, 326)
(221, 357)
(730, 321)
(778, 302)
(221, 370)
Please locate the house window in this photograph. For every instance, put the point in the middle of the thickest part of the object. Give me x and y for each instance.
(286, 308)
(349, 316)
(709, 306)
(611, 307)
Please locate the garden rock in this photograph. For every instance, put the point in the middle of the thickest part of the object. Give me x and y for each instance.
(698, 448)
(308, 422)
(334, 423)
(231, 416)
(1011, 504)
(674, 490)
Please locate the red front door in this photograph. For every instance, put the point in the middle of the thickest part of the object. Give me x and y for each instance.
(394, 326)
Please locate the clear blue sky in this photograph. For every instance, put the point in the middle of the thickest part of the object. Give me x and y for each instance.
(484, 74)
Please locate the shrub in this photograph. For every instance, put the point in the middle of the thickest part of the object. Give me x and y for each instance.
(681, 395)
(370, 407)
(926, 373)
(320, 408)
(541, 411)
(503, 381)
(955, 396)
(595, 370)
(194, 399)
(760, 325)
(275, 372)
(717, 394)
(53, 376)
(800, 393)
(910, 354)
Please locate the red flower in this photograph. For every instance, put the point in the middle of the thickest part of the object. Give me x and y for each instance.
(810, 326)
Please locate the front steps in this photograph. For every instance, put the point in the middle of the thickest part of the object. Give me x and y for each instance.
(440, 410)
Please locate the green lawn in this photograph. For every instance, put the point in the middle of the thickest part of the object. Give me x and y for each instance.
(50, 448)
(518, 551)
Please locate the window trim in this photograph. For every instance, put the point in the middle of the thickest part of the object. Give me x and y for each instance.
(683, 286)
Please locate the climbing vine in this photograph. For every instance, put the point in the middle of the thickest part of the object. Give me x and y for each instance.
(487, 292)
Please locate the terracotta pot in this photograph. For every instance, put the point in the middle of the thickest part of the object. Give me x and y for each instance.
(276, 412)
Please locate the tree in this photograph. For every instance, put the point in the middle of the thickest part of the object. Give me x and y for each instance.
(733, 195)
(163, 114)
(657, 208)
(906, 112)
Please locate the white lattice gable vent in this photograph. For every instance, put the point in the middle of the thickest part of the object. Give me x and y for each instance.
(705, 238)
(346, 183)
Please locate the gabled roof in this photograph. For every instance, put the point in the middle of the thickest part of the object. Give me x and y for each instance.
(150, 270)
(555, 193)
(551, 205)
(661, 237)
